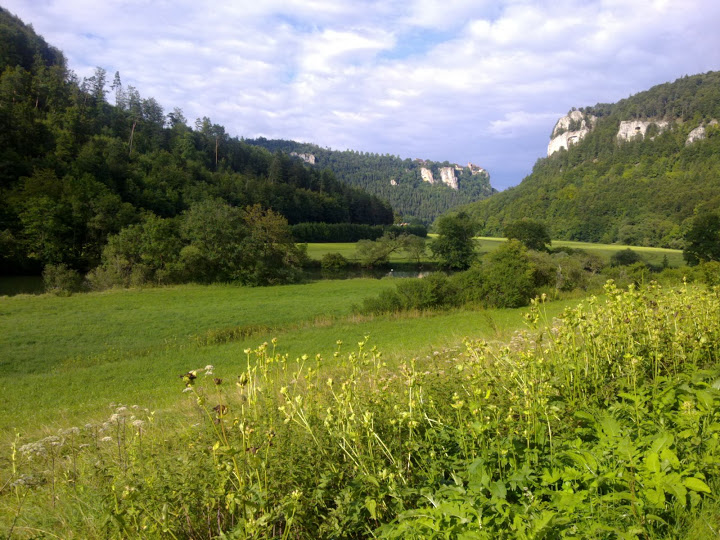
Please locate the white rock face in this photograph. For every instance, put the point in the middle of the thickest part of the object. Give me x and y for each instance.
(447, 175)
(307, 158)
(699, 132)
(630, 129)
(562, 138)
(426, 175)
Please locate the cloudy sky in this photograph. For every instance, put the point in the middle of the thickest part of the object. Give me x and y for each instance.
(457, 80)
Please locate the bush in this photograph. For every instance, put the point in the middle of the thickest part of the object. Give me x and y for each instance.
(508, 276)
(435, 291)
(61, 280)
(333, 261)
(625, 257)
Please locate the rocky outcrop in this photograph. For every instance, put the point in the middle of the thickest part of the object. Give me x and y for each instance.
(475, 169)
(307, 158)
(699, 133)
(631, 129)
(569, 130)
(427, 175)
(447, 176)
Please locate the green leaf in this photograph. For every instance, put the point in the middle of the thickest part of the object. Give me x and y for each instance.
(669, 456)
(655, 496)
(706, 398)
(550, 477)
(663, 440)
(610, 426)
(583, 415)
(652, 462)
(498, 490)
(696, 484)
(371, 505)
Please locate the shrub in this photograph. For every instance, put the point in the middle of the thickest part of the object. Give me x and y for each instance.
(333, 261)
(508, 276)
(432, 292)
(61, 280)
(625, 257)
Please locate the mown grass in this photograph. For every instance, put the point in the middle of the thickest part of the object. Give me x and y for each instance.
(65, 359)
(486, 244)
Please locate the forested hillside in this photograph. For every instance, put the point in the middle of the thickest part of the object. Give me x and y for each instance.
(84, 160)
(641, 191)
(398, 181)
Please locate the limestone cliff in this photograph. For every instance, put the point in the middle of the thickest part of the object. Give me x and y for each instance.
(427, 175)
(569, 130)
(630, 129)
(699, 132)
(447, 176)
(307, 158)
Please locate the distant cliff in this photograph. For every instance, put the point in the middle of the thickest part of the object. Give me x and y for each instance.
(416, 189)
(569, 130)
(633, 172)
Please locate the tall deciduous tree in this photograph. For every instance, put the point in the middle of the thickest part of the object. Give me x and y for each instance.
(454, 247)
(702, 241)
(532, 234)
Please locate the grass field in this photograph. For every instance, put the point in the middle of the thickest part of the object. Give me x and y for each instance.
(66, 359)
(486, 244)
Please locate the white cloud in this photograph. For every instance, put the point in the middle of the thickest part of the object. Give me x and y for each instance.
(456, 79)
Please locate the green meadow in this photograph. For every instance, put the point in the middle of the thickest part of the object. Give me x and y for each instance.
(65, 359)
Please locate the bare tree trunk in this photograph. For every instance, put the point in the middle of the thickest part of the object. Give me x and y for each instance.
(132, 134)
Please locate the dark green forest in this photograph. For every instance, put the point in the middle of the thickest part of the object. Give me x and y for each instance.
(84, 161)
(393, 179)
(642, 192)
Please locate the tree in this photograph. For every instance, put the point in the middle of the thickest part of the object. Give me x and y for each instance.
(415, 248)
(215, 231)
(533, 234)
(371, 253)
(269, 254)
(507, 276)
(454, 247)
(702, 241)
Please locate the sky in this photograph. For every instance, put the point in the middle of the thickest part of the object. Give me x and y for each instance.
(459, 80)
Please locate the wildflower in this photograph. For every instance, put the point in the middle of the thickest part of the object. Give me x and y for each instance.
(106, 439)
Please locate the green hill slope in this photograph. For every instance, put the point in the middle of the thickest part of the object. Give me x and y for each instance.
(398, 181)
(81, 160)
(633, 175)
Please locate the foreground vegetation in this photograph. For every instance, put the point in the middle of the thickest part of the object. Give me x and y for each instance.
(601, 423)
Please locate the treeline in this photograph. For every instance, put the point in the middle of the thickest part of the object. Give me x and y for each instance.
(643, 192)
(84, 160)
(393, 179)
(350, 232)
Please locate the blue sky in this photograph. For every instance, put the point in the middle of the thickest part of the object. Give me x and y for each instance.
(457, 80)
